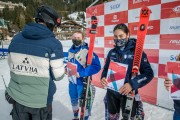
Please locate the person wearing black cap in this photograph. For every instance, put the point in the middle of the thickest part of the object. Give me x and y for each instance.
(35, 60)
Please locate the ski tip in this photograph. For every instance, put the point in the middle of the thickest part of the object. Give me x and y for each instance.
(145, 12)
(94, 22)
(93, 17)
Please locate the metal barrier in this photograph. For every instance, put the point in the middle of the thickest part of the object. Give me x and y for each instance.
(3, 49)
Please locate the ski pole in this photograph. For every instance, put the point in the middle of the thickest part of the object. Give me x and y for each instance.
(4, 81)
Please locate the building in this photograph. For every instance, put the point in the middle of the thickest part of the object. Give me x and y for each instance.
(10, 5)
(64, 32)
(3, 23)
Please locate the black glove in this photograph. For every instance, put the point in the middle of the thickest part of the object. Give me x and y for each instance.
(9, 98)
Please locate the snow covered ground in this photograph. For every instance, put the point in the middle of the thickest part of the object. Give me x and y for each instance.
(62, 107)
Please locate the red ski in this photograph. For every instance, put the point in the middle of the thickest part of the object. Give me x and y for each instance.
(141, 33)
(86, 80)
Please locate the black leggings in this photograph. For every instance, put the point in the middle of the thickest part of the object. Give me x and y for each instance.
(21, 112)
(115, 101)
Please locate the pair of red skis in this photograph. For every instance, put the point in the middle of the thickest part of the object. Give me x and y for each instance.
(86, 82)
(142, 30)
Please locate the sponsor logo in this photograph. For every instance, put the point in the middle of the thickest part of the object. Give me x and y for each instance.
(176, 9)
(25, 67)
(94, 12)
(113, 58)
(174, 41)
(111, 42)
(142, 27)
(89, 22)
(113, 53)
(173, 57)
(26, 61)
(174, 27)
(53, 55)
(139, 1)
(137, 17)
(135, 28)
(145, 60)
(149, 28)
(125, 56)
(46, 54)
(128, 56)
(144, 12)
(116, 6)
(115, 18)
(110, 32)
(142, 79)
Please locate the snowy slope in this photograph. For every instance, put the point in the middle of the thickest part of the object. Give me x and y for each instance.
(62, 107)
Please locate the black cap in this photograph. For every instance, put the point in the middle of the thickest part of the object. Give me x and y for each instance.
(47, 15)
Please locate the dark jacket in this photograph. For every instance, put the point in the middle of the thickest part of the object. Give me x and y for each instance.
(126, 57)
(35, 60)
(177, 106)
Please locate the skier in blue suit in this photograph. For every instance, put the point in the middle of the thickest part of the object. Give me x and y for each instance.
(77, 54)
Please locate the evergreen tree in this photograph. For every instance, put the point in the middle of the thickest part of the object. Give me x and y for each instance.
(21, 21)
(20, 16)
(6, 13)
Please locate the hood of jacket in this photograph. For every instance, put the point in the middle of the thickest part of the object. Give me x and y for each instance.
(35, 31)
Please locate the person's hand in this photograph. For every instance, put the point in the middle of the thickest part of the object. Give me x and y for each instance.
(125, 89)
(77, 75)
(104, 82)
(167, 83)
(65, 71)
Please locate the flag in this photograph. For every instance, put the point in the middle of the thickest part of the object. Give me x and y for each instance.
(173, 70)
(72, 72)
(116, 75)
